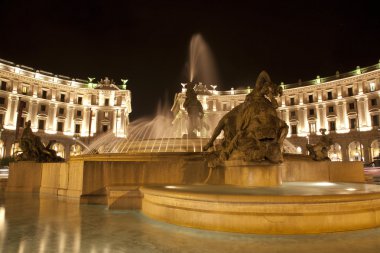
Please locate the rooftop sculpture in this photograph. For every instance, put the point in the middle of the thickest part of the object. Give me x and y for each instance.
(252, 130)
(34, 150)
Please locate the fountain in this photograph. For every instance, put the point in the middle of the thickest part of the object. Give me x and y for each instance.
(245, 183)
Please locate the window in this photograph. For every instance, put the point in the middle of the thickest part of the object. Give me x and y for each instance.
(311, 99)
(43, 108)
(332, 125)
(61, 111)
(331, 109)
(105, 128)
(292, 101)
(60, 126)
(311, 112)
(24, 90)
(80, 100)
(62, 98)
(106, 115)
(41, 124)
(294, 129)
(2, 100)
(350, 91)
(351, 106)
(106, 102)
(292, 114)
(79, 113)
(352, 123)
(77, 128)
(329, 95)
(372, 86)
(373, 101)
(375, 120)
(44, 94)
(1, 119)
(3, 85)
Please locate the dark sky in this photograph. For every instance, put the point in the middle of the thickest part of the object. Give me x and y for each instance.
(147, 41)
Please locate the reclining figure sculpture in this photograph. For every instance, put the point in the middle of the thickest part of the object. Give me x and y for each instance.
(252, 130)
(34, 150)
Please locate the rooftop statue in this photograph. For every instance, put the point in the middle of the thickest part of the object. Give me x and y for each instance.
(195, 113)
(34, 150)
(252, 130)
(319, 151)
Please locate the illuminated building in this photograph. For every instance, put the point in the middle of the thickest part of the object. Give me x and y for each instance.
(347, 105)
(70, 111)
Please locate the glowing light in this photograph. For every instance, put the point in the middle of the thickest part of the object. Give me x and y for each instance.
(171, 187)
(318, 80)
(358, 70)
(350, 189)
(323, 184)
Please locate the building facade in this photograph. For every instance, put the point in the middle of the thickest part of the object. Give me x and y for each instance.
(347, 105)
(71, 111)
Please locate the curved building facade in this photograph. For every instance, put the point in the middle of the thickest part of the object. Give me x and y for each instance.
(70, 111)
(347, 105)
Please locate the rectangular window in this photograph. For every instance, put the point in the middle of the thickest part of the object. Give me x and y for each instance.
(311, 99)
(292, 114)
(106, 115)
(329, 95)
(43, 108)
(292, 101)
(61, 111)
(2, 100)
(79, 113)
(373, 101)
(60, 126)
(3, 85)
(24, 90)
(372, 86)
(350, 91)
(311, 112)
(77, 128)
(332, 125)
(351, 106)
(44, 94)
(331, 109)
(80, 100)
(62, 98)
(41, 124)
(375, 120)
(352, 123)
(106, 102)
(105, 128)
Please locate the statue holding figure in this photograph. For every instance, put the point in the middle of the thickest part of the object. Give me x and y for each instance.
(319, 151)
(34, 150)
(252, 130)
(195, 113)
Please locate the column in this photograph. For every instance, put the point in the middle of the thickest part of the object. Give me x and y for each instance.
(339, 119)
(344, 114)
(94, 121)
(366, 115)
(69, 122)
(52, 119)
(11, 114)
(85, 122)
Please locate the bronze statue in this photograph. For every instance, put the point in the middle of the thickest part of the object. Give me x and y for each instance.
(194, 111)
(34, 150)
(252, 130)
(319, 151)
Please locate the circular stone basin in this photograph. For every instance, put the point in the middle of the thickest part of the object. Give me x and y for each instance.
(291, 208)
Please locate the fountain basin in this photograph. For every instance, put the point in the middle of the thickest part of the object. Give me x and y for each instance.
(291, 208)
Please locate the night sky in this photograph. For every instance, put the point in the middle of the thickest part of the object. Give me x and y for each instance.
(147, 41)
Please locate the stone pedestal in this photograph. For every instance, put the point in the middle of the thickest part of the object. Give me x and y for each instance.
(252, 174)
(124, 197)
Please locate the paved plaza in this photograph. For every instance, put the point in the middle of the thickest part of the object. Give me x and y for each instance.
(31, 223)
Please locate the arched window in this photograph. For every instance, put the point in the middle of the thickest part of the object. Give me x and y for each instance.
(2, 149)
(375, 150)
(75, 150)
(60, 149)
(335, 152)
(355, 151)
